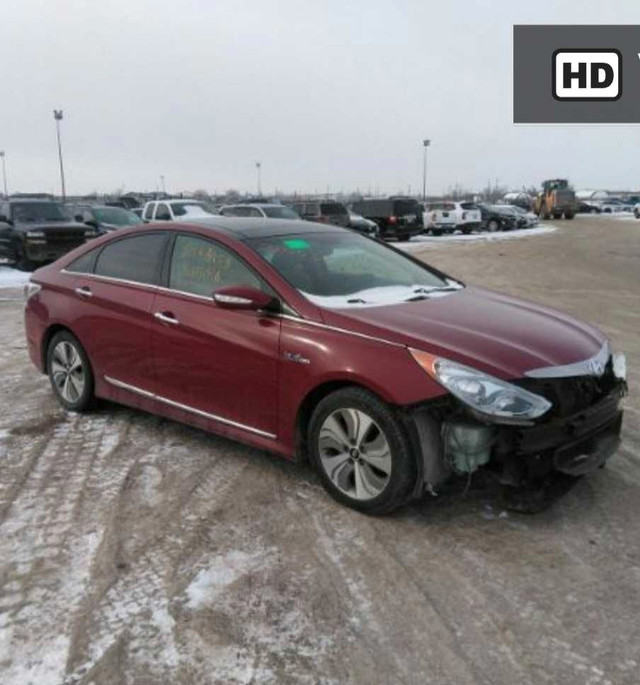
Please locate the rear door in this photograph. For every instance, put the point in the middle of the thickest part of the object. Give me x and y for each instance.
(113, 304)
(219, 362)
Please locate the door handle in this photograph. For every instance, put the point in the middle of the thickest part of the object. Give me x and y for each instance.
(83, 291)
(166, 318)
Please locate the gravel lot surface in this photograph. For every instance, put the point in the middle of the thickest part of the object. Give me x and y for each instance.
(137, 550)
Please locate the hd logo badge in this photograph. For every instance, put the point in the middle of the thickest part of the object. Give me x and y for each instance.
(586, 75)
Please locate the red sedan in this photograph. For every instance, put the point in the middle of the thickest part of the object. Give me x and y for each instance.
(317, 342)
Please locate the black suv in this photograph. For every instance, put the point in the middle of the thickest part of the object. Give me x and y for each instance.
(33, 232)
(398, 218)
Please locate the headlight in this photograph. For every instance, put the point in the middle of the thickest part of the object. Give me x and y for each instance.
(35, 234)
(480, 391)
(91, 233)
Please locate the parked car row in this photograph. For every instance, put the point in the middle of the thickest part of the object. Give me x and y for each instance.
(36, 231)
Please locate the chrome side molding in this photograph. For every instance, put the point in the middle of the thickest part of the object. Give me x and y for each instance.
(198, 412)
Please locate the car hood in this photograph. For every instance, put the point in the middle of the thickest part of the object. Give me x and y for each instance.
(499, 334)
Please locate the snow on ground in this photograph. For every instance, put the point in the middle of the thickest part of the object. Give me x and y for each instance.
(12, 278)
(420, 241)
(622, 216)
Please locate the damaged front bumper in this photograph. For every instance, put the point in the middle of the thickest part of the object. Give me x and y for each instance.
(451, 441)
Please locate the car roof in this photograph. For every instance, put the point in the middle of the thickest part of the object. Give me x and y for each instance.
(258, 205)
(246, 228)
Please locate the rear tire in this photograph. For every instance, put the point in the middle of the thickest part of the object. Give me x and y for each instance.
(493, 225)
(569, 215)
(403, 238)
(557, 215)
(361, 451)
(436, 231)
(70, 372)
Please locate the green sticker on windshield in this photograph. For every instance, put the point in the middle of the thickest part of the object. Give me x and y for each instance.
(297, 244)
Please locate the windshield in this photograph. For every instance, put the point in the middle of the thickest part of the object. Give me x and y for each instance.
(115, 216)
(38, 211)
(280, 212)
(347, 270)
(192, 209)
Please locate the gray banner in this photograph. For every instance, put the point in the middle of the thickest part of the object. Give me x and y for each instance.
(538, 67)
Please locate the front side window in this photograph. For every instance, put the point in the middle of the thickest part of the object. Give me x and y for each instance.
(347, 270)
(148, 212)
(201, 266)
(133, 259)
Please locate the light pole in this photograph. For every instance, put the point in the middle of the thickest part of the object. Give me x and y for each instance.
(162, 183)
(425, 144)
(4, 175)
(259, 170)
(57, 115)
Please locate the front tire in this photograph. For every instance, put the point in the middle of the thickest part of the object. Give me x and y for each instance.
(362, 452)
(70, 372)
(493, 225)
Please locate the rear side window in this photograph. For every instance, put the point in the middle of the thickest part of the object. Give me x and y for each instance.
(133, 259)
(85, 263)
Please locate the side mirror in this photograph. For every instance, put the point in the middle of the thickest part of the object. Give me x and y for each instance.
(242, 297)
(90, 222)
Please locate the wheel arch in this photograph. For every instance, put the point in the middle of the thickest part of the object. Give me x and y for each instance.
(310, 402)
(46, 339)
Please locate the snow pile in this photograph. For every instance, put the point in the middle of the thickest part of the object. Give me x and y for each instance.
(420, 241)
(12, 278)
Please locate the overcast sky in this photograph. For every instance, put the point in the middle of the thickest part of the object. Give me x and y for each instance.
(327, 95)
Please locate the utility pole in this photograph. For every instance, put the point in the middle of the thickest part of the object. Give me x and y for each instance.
(425, 144)
(259, 170)
(4, 175)
(57, 115)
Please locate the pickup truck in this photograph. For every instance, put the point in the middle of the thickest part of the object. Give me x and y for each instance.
(450, 216)
(33, 232)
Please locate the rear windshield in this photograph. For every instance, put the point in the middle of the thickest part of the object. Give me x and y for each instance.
(192, 209)
(468, 205)
(403, 207)
(333, 208)
(280, 212)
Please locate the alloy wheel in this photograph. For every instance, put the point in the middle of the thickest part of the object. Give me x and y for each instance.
(355, 454)
(67, 371)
